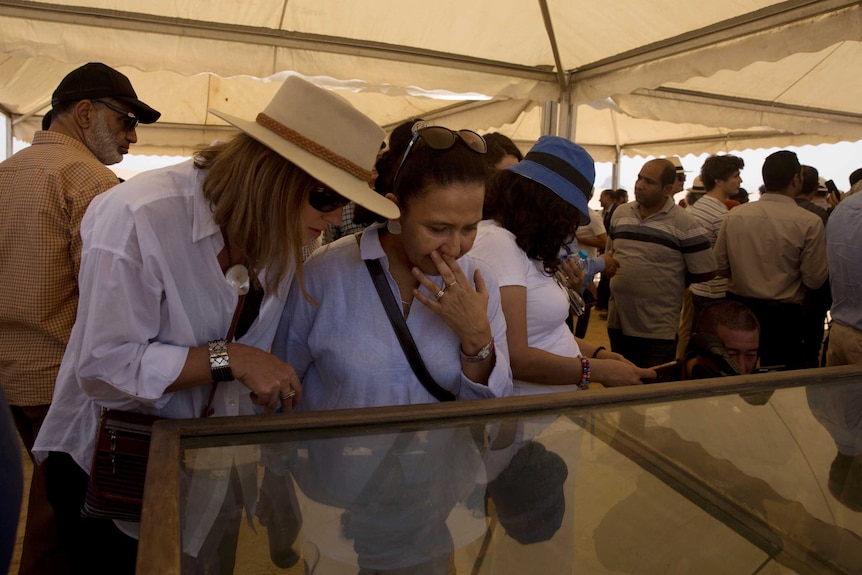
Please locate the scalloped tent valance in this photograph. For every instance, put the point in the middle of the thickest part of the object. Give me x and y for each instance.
(653, 77)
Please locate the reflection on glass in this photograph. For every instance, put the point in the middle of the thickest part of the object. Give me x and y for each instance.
(717, 484)
(838, 408)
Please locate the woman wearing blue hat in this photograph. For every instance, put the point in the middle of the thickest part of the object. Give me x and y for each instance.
(532, 211)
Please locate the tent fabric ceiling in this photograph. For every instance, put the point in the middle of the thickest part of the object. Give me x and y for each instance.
(653, 77)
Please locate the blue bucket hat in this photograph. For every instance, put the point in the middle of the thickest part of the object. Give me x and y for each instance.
(563, 167)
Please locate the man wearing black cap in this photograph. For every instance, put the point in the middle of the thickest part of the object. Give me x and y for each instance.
(44, 191)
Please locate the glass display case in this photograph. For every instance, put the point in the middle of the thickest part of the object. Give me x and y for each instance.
(751, 474)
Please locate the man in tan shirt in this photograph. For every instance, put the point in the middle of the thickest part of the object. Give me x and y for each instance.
(773, 252)
(44, 191)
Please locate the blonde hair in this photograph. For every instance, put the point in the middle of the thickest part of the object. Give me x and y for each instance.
(257, 198)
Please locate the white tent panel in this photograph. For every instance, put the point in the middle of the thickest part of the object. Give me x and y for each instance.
(728, 50)
(591, 31)
(810, 88)
(692, 76)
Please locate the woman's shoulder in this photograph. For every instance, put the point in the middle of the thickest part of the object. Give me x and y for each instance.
(494, 242)
(338, 253)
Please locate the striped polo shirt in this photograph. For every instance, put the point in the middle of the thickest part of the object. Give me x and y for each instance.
(654, 255)
(709, 212)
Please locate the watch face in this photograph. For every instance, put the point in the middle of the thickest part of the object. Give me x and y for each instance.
(483, 353)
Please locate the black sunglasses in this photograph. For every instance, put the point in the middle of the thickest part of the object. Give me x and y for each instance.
(326, 200)
(440, 138)
(680, 177)
(130, 121)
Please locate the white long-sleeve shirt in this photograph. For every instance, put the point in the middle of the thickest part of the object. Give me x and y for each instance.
(151, 288)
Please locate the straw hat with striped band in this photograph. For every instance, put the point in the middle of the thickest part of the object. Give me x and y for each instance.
(323, 134)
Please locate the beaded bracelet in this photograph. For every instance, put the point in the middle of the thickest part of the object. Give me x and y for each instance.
(585, 373)
(599, 350)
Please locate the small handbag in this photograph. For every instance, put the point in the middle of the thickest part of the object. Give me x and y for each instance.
(115, 489)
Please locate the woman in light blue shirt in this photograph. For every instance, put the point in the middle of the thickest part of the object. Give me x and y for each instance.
(398, 489)
(336, 333)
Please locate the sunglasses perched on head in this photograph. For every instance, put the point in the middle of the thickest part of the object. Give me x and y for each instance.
(440, 138)
(324, 199)
(130, 121)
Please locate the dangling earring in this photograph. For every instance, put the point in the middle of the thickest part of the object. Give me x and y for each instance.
(394, 227)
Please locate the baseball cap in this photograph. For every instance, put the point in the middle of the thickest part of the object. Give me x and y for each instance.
(96, 80)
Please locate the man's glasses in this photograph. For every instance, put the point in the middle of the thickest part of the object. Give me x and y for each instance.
(326, 200)
(440, 138)
(130, 121)
(680, 177)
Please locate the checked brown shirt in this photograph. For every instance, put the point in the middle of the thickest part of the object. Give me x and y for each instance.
(44, 191)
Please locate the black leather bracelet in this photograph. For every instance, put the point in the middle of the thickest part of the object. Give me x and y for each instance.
(598, 351)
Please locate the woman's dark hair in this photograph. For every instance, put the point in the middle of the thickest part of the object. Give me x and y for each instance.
(386, 164)
(541, 220)
(425, 167)
(499, 146)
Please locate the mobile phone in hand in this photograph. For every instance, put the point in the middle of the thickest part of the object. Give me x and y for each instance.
(833, 190)
(665, 372)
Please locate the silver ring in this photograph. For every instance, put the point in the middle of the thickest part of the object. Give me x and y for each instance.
(287, 396)
(440, 293)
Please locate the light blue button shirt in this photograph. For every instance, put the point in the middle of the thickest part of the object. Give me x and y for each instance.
(345, 350)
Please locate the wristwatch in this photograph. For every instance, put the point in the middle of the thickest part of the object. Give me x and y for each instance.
(219, 361)
(483, 354)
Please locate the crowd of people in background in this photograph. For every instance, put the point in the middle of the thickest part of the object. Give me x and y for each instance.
(302, 230)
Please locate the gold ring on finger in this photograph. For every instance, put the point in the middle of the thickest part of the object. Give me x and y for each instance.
(287, 396)
(440, 293)
(451, 284)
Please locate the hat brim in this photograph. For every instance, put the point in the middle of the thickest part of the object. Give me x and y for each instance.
(345, 184)
(554, 182)
(145, 114)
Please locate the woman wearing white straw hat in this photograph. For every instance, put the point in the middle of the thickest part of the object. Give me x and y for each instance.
(171, 259)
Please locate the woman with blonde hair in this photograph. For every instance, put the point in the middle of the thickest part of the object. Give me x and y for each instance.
(175, 262)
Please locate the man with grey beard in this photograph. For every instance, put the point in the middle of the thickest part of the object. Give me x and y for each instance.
(44, 191)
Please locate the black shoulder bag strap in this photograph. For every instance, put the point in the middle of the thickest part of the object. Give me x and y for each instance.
(403, 333)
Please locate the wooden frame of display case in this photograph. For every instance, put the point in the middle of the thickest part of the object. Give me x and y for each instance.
(159, 549)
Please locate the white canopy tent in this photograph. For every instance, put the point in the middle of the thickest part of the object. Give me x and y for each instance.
(619, 77)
